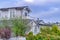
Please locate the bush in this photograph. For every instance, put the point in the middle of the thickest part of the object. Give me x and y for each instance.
(30, 36)
(19, 27)
(47, 33)
(55, 28)
(5, 32)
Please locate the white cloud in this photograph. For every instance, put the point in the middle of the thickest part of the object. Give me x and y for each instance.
(29, 1)
(5, 4)
(51, 11)
(36, 2)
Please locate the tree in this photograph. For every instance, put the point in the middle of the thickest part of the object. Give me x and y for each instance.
(55, 28)
(19, 27)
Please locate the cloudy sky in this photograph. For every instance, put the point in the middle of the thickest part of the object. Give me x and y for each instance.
(47, 10)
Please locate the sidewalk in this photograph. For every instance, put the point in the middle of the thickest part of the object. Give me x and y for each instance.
(17, 38)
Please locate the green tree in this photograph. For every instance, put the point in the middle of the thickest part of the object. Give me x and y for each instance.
(55, 28)
(30, 36)
(19, 27)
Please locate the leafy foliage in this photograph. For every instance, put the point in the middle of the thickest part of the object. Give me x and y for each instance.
(55, 28)
(5, 32)
(19, 27)
(47, 33)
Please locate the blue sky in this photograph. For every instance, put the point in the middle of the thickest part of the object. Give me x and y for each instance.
(47, 10)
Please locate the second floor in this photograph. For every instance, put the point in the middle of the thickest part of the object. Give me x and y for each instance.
(14, 12)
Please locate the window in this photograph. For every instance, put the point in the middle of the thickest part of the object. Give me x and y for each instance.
(25, 14)
(12, 13)
(6, 16)
(0, 14)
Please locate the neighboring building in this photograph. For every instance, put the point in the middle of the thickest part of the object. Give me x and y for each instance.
(35, 26)
(57, 23)
(13, 12)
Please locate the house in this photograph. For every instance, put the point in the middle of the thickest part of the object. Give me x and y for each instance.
(13, 12)
(34, 26)
(16, 12)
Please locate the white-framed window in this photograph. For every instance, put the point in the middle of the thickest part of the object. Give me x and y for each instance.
(25, 14)
(6, 16)
(12, 13)
(0, 14)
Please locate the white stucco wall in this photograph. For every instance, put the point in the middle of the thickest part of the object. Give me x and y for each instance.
(35, 29)
(4, 14)
(8, 13)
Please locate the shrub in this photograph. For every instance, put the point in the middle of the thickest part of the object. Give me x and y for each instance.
(55, 28)
(47, 33)
(30, 36)
(5, 32)
(19, 27)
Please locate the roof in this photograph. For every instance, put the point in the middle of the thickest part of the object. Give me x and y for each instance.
(37, 22)
(17, 8)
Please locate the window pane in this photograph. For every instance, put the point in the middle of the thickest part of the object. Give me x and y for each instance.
(25, 14)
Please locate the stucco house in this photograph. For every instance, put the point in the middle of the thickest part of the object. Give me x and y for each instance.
(13, 12)
(35, 26)
(23, 12)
